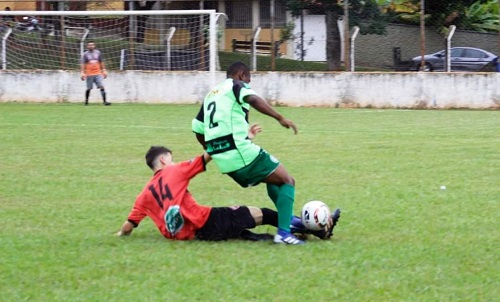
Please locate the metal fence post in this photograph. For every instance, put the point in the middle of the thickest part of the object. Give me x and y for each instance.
(4, 48)
(354, 34)
(448, 47)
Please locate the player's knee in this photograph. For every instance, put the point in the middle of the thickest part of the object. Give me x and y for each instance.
(256, 214)
(284, 176)
(288, 179)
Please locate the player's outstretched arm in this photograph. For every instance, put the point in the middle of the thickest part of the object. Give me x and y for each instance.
(263, 107)
(126, 229)
(206, 157)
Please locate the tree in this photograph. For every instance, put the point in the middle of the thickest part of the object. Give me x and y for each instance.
(364, 14)
(445, 12)
(479, 15)
(400, 11)
(483, 16)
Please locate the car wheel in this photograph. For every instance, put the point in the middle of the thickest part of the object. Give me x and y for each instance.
(427, 68)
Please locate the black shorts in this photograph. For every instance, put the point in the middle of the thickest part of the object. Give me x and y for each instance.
(226, 223)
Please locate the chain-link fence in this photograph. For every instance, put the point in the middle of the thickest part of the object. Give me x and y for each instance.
(310, 35)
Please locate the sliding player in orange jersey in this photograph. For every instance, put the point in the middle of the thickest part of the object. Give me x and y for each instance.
(177, 215)
(94, 71)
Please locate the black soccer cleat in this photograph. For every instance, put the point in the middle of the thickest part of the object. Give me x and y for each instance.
(106, 104)
(321, 234)
(326, 234)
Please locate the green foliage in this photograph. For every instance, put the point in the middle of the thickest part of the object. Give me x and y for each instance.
(69, 175)
(286, 32)
(398, 6)
(478, 15)
(482, 16)
(365, 14)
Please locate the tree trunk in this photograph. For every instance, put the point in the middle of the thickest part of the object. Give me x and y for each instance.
(333, 49)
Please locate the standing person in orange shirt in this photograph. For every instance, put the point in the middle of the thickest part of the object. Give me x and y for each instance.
(94, 71)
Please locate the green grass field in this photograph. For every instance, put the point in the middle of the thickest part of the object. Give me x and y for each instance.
(69, 175)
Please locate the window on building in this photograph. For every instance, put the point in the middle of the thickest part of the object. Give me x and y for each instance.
(239, 14)
(265, 14)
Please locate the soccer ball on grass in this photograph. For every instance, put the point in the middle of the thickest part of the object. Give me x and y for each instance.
(315, 215)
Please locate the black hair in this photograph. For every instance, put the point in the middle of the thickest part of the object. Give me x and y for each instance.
(153, 154)
(237, 67)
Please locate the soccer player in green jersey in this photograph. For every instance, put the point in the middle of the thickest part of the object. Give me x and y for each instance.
(222, 128)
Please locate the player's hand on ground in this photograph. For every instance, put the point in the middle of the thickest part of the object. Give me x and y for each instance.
(254, 129)
(288, 124)
(121, 233)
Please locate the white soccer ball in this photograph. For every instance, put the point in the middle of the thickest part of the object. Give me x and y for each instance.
(315, 215)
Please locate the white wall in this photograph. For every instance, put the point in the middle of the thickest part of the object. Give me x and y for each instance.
(314, 38)
(377, 90)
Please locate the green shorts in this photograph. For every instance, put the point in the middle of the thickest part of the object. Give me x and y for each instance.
(260, 168)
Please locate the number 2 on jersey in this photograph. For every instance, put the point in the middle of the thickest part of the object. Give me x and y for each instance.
(212, 107)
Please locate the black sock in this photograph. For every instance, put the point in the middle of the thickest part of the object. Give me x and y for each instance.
(269, 217)
(103, 94)
(87, 93)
